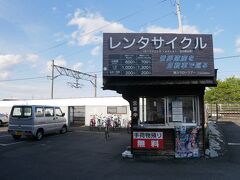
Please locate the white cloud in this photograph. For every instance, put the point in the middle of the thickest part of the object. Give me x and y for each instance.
(95, 51)
(186, 29)
(238, 45)
(218, 50)
(54, 9)
(24, 90)
(59, 60)
(198, 6)
(218, 31)
(91, 26)
(61, 36)
(9, 60)
(78, 66)
(32, 57)
(4, 75)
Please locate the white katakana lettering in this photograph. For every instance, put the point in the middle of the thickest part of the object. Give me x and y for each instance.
(113, 46)
(189, 40)
(199, 43)
(172, 43)
(157, 42)
(144, 41)
(130, 45)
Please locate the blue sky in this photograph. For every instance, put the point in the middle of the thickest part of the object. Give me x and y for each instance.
(70, 32)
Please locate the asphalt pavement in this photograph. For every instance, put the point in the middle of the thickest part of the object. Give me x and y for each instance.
(82, 154)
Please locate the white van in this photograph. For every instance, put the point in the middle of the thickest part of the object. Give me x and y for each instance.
(36, 120)
(3, 119)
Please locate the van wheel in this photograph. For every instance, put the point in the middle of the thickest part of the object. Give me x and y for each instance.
(39, 135)
(63, 130)
(16, 137)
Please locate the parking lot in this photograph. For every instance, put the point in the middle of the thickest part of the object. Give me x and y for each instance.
(82, 154)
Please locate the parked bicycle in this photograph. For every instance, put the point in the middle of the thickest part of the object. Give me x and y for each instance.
(107, 127)
(92, 122)
(100, 122)
(116, 122)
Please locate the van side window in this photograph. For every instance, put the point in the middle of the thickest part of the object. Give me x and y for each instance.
(58, 111)
(39, 112)
(17, 111)
(27, 111)
(49, 112)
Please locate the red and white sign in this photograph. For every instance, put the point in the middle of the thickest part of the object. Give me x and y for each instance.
(147, 140)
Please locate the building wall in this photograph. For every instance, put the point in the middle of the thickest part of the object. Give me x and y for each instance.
(101, 111)
(93, 106)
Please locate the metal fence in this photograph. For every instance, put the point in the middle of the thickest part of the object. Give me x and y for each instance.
(223, 111)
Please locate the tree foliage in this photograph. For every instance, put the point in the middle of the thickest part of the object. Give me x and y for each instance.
(227, 91)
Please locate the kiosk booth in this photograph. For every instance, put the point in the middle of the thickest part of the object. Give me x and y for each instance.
(163, 77)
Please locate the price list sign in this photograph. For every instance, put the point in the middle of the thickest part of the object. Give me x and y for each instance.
(157, 54)
(130, 64)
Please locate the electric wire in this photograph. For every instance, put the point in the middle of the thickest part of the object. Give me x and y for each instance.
(98, 72)
(227, 57)
(23, 79)
(144, 24)
(99, 28)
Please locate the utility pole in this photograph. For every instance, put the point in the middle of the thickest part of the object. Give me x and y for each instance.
(95, 85)
(180, 28)
(52, 78)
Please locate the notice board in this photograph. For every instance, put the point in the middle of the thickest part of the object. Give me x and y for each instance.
(157, 54)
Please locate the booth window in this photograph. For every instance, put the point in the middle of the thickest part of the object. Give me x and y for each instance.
(155, 110)
(169, 110)
(182, 109)
(117, 109)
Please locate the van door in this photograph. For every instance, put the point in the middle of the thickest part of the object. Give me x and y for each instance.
(21, 119)
(60, 120)
(40, 120)
(50, 119)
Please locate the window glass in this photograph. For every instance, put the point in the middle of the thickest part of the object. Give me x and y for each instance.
(121, 110)
(39, 112)
(181, 109)
(155, 109)
(117, 109)
(22, 111)
(27, 111)
(58, 111)
(49, 111)
(17, 111)
(111, 109)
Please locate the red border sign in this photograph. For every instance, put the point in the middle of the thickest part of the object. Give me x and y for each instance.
(147, 140)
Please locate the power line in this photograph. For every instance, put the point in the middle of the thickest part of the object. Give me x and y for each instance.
(99, 28)
(156, 19)
(227, 57)
(151, 21)
(22, 79)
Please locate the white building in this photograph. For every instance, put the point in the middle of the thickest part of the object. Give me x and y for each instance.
(79, 111)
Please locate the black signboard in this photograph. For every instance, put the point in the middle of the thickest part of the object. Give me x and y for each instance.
(148, 54)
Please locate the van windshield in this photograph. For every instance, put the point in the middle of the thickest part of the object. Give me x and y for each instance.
(22, 111)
